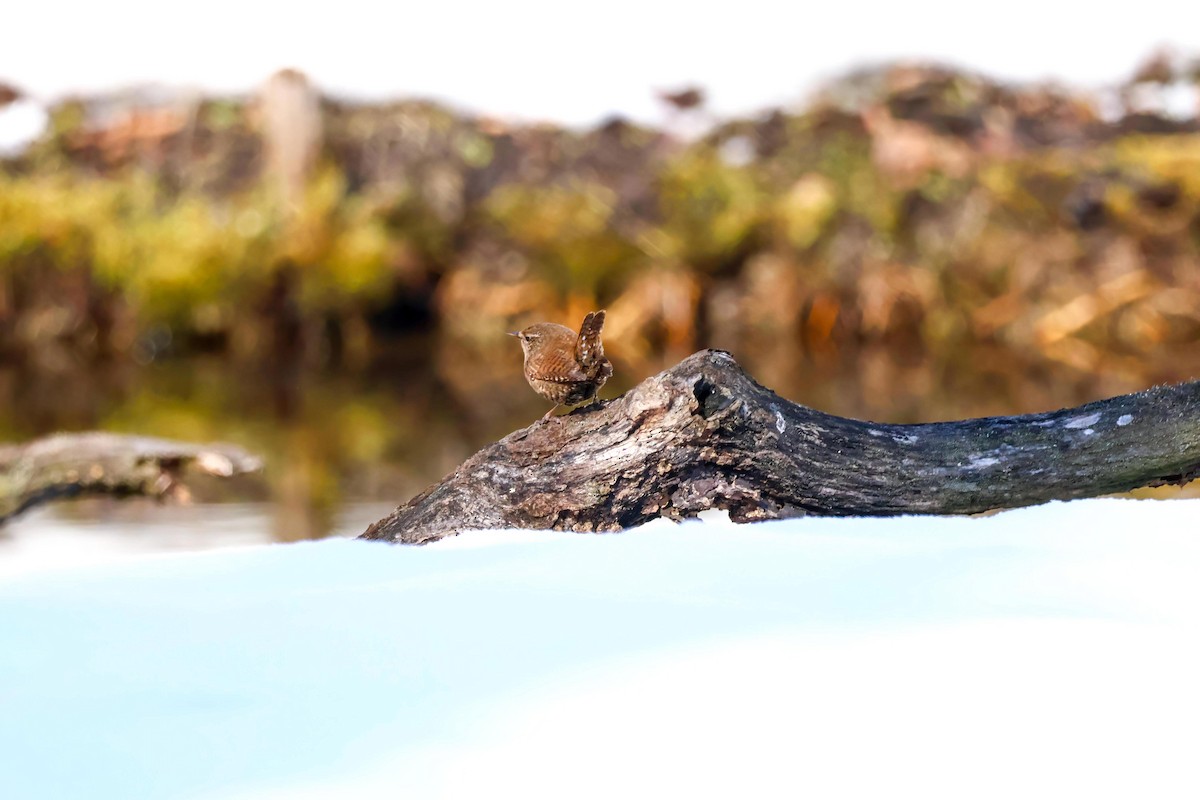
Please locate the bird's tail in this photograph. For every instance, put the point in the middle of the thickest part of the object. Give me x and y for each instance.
(588, 347)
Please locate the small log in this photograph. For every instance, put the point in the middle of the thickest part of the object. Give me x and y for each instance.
(704, 435)
(72, 464)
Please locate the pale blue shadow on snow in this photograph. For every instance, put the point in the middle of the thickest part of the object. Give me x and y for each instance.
(177, 676)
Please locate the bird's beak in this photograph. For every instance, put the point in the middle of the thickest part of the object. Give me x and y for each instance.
(514, 333)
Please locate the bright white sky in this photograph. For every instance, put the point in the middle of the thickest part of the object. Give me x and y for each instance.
(569, 62)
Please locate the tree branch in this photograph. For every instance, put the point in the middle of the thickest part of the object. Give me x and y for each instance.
(704, 435)
(72, 464)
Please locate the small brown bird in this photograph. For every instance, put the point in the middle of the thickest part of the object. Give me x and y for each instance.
(562, 366)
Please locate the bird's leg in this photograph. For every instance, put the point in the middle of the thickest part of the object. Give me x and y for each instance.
(551, 411)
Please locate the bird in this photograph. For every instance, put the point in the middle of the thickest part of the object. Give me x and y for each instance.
(562, 366)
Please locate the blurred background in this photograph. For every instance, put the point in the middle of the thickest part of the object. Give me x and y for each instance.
(308, 236)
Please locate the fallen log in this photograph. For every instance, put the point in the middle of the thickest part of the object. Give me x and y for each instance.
(703, 435)
(72, 464)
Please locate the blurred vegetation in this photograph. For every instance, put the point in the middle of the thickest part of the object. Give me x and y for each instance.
(913, 204)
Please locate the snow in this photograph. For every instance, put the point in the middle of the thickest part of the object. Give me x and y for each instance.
(1046, 652)
(21, 121)
(1082, 422)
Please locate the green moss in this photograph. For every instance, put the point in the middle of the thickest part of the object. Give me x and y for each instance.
(709, 208)
(568, 232)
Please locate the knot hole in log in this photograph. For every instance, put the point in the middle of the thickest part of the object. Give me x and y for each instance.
(710, 399)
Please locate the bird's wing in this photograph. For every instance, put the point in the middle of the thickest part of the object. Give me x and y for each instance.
(558, 368)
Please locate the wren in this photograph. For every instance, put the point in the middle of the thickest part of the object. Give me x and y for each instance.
(562, 366)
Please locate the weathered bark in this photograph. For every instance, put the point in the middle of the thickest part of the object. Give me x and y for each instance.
(704, 435)
(72, 464)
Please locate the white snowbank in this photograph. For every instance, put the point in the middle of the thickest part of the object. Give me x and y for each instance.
(21, 122)
(1048, 652)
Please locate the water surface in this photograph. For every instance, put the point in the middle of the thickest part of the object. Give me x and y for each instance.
(343, 445)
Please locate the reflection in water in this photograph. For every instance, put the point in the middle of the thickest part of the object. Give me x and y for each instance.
(87, 533)
(337, 438)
